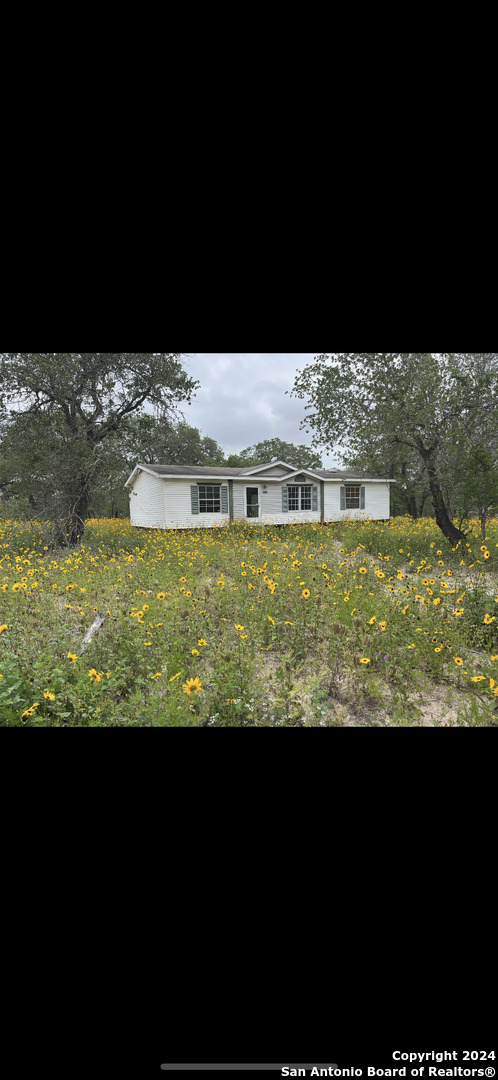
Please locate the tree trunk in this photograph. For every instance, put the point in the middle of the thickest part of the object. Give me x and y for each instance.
(76, 522)
(484, 518)
(412, 506)
(71, 523)
(423, 500)
(443, 519)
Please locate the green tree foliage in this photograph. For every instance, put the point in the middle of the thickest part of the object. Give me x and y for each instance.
(185, 445)
(149, 440)
(410, 405)
(475, 492)
(301, 456)
(61, 410)
(32, 457)
(235, 461)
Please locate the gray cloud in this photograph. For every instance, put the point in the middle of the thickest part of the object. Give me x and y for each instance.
(242, 400)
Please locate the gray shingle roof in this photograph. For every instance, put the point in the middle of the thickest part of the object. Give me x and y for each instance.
(194, 470)
(223, 470)
(346, 474)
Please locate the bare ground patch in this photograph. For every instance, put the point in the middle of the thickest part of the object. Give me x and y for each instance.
(316, 699)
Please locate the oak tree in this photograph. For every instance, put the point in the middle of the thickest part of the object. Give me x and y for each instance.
(404, 401)
(64, 406)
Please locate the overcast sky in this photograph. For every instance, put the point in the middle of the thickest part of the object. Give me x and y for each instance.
(242, 400)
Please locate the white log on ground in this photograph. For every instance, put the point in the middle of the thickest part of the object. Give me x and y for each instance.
(97, 623)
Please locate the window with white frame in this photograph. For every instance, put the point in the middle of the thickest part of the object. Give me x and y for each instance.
(352, 496)
(299, 496)
(210, 498)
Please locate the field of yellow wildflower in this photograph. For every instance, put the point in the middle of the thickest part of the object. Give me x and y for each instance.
(343, 624)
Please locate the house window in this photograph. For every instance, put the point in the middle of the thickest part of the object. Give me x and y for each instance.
(352, 497)
(210, 498)
(299, 497)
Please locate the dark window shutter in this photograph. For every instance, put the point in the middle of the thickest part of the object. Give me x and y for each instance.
(362, 498)
(194, 495)
(314, 497)
(343, 498)
(224, 498)
(285, 499)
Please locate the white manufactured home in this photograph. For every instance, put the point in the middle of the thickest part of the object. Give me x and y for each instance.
(191, 496)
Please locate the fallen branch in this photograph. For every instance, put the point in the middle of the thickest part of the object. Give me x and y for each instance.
(97, 623)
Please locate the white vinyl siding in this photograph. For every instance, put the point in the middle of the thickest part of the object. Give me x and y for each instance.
(376, 502)
(178, 507)
(239, 500)
(275, 470)
(147, 502)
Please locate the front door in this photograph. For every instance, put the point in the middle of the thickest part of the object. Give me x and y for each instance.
(252, 496)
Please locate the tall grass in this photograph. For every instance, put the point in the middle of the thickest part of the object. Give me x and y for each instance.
(349, 622)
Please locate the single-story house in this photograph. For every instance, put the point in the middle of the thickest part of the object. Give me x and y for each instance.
(190, 496)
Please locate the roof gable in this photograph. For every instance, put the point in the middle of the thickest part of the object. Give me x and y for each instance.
(312, 473)
(271, 469)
